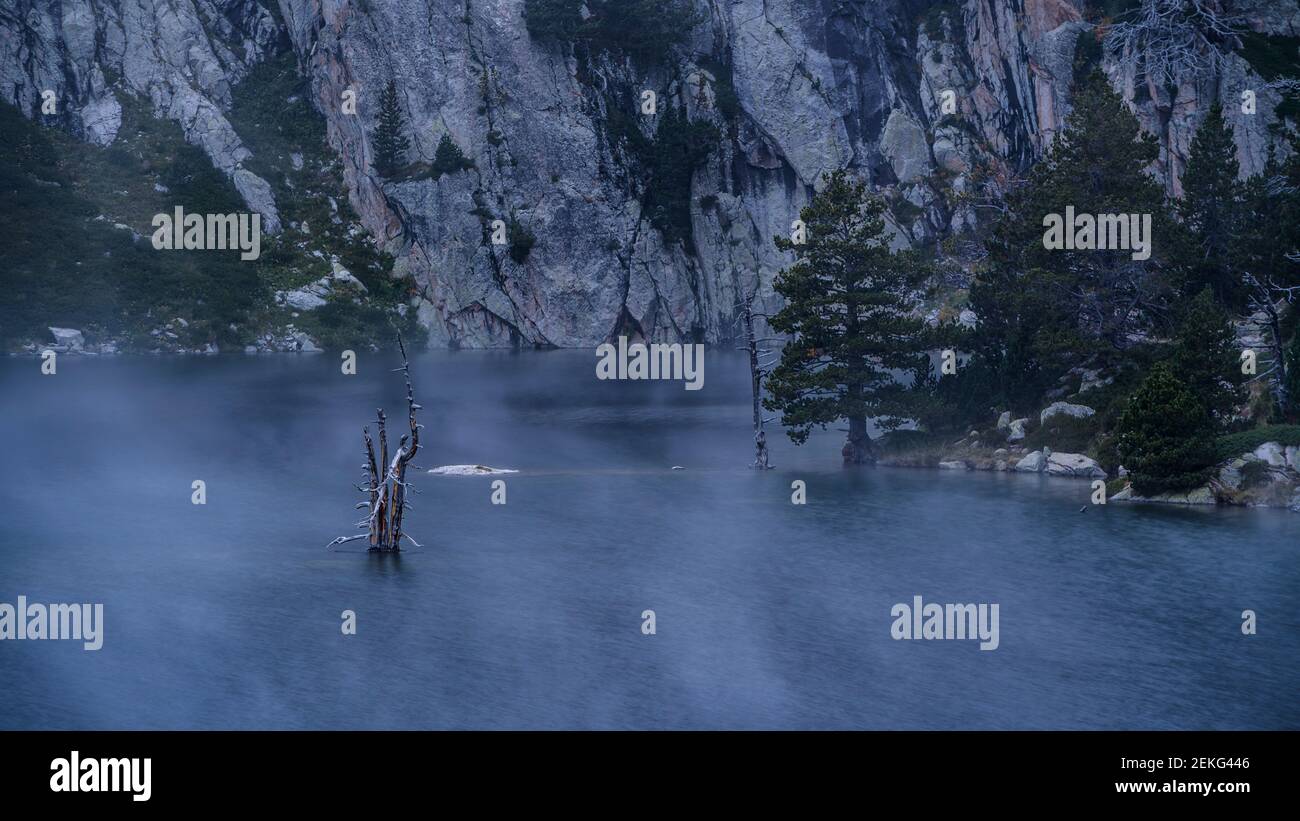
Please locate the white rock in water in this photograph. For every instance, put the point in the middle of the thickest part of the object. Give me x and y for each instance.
(1074, 464)
(469, 470)
(954, 464)
(69, 337)
(1066, 409)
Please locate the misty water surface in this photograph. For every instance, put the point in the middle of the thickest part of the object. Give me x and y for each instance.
(528, 615)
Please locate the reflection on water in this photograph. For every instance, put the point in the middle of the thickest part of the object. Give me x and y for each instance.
(528, 614)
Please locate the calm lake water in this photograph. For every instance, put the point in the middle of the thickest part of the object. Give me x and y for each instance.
(528, 615)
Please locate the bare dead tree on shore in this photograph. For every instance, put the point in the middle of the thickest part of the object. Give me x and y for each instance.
(760, 364)
(387, 495)
(1176, 40)
(1267, 301)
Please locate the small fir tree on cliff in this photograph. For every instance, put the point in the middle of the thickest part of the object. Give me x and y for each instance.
(388, 138)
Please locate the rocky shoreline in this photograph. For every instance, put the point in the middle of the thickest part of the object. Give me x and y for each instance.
(166, 340)
(1267, 476)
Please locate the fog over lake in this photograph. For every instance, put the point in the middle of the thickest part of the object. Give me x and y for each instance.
(529, 614)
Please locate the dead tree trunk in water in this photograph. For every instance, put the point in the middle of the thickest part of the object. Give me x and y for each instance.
(387, 491)
(757, 370)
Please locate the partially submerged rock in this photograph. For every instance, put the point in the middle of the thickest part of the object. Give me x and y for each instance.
(1073, 465)
(469, 470)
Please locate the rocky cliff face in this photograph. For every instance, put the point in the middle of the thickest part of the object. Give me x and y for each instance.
(182, 57)
(937, 104)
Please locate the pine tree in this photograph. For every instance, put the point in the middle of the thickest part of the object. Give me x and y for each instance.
(1209, 210)
(1166, 437)
(849, 310)
(1042, 311)
(448, 158)
(1267, 233)
(680, 146)
(1207, 357)
(388, 138)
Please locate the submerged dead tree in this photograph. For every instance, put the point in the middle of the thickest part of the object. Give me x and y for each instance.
(387, 492)
(758, 368)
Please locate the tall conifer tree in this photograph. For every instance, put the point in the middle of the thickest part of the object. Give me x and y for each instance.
(849, 310)
(388, 138)
(1210, 210)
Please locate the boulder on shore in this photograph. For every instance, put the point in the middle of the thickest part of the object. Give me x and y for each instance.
(1199, 496)
(1075, 465)
(1272, 453)
(315, 294)
(70, 339)
(1033, 463)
